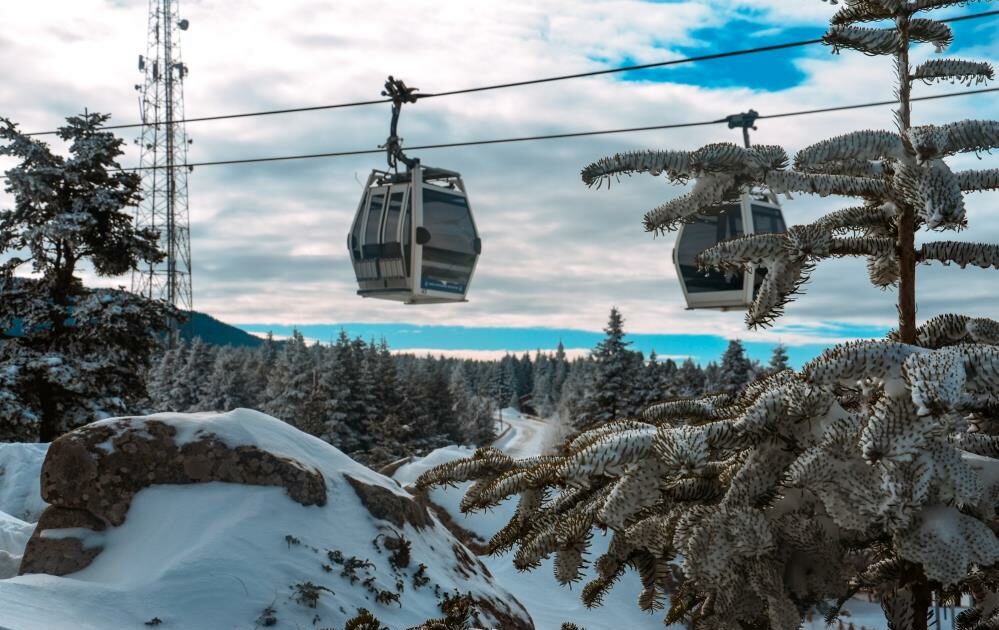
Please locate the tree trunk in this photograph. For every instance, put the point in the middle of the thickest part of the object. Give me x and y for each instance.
(906, 243)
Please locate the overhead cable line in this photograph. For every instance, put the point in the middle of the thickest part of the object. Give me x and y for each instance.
(558, 136)
(499, 86)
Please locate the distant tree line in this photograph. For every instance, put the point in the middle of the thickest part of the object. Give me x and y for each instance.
(616, 382)
(374, 405)
(378, 406)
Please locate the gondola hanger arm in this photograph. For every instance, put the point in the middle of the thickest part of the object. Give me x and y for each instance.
(399, 92)
(746, 120)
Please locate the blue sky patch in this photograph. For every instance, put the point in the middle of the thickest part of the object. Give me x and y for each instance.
(769, 71)
(702, 348)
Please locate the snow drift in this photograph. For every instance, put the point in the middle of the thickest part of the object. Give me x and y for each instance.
(223, 555)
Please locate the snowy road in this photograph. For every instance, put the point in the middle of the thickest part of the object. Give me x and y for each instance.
(527, 435)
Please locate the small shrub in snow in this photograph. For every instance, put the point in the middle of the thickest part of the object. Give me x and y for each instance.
(268, 617)
(420, 578)
(364, 621)
(401, 551)
(307, 593)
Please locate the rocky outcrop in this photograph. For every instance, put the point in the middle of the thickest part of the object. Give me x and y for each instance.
(61, 555)
(395, 508)
(91, 475)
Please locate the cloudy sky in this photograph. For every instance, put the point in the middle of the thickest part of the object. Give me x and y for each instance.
(268, 239)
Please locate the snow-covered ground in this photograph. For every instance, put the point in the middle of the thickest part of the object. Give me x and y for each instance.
(217, 555)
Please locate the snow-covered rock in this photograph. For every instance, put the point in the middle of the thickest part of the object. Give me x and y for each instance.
(20, 478)
(225, 555)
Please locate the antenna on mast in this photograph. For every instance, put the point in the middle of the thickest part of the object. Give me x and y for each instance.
(163, 143)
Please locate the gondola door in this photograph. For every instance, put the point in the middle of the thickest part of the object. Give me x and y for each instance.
(445, 240)
(710, 289)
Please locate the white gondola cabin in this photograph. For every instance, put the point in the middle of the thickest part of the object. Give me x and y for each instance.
(715, 290)
(414, 239)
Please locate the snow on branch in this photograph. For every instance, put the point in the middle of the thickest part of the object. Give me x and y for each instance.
(935, 141)
(878, 218)
(955, 70)
(935, 192)
(854, 146)
(950, 329)
(984, 255)
(825, 185)
(783, 280)
(586, 438)
(735, 253)
(675, 164)
(709, 190)
(870, 41)
(929, 5)
(863, 246)
(676, 412)
(485, 461)
(863, 11)
(852, 362)
(678, 166)
(609, 452)
(931, 31)
(977, 180)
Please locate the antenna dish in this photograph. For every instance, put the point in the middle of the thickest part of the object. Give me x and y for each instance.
(142, 62)
(183, 25)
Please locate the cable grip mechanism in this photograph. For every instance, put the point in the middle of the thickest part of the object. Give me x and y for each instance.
(746, 120)
(399, 92)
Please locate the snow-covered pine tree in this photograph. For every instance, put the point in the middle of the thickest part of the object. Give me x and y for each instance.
(160, 379)
(474, 414)
(292, 384)
(875, 468)
(778, 359)
(541, 394)
(263, 363)
(386, 388)
(175, 383)
(610, 394)
(560, 372)
(191, 383)
(657, 380)
(227, 385)
(525, 375)
(71, 355)
(735, 370)
(713, 383)
(339, 387)
(690, 380)
(370, 409)
(501, 383)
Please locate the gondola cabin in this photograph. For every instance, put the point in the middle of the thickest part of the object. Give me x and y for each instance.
(414, 239)
(715, 290)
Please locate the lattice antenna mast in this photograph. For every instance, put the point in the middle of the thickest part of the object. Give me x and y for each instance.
(163, 144)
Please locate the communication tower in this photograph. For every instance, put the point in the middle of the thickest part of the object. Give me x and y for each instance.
(163, 160)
